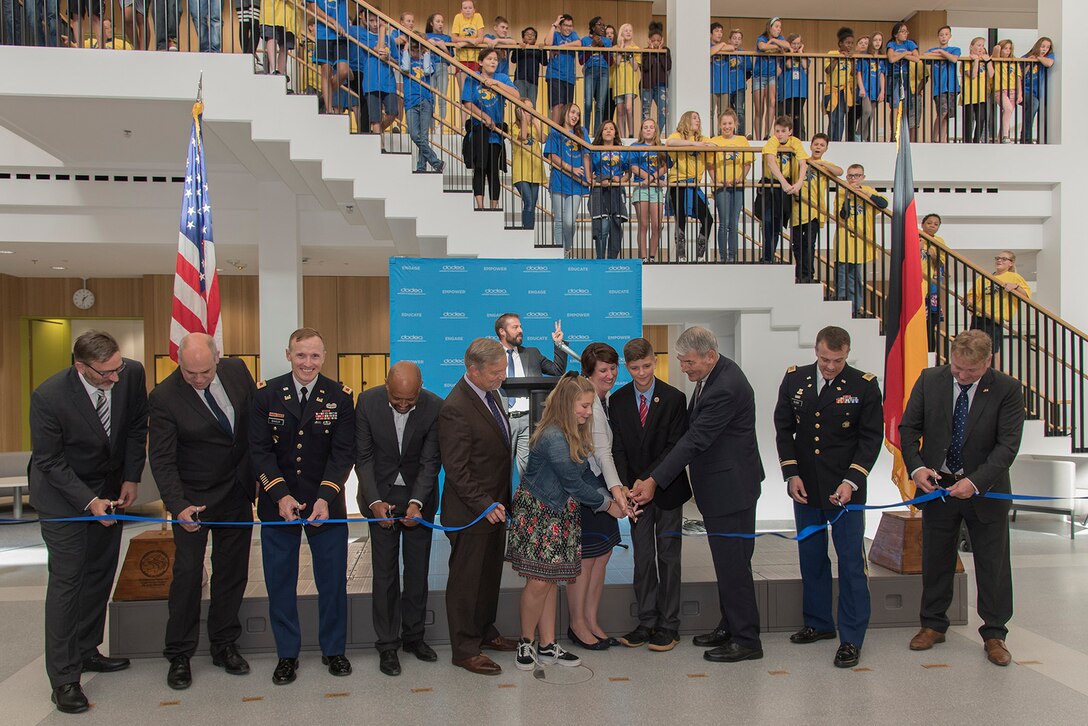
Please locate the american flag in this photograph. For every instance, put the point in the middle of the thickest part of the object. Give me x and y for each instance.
(196, 285)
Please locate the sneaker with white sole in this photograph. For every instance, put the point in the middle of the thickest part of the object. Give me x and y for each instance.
(554, 653)
(525, 659)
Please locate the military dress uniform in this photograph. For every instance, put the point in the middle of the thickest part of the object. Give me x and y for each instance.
(305, 449)
(827, 434)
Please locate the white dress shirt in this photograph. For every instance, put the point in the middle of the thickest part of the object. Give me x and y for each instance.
(400, 422)
(521, 403)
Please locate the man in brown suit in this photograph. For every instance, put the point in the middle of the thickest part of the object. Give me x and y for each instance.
(474, 438)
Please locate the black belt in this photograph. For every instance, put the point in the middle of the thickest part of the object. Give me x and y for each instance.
(518, 414)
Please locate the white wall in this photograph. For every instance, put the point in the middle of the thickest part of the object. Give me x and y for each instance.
(129, 334)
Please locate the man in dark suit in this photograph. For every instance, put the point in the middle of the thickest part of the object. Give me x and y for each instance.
(648, 417)
(829, 425)
(88, 433)
(302, 439)
(961, 431)
(525, 362)
(199, 452)
(397, 463)
(474, 438)
(720, 451)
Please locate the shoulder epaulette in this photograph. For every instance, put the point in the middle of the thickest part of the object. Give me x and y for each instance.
(261, 384)
(347, 390)
(869, 376)
(791, 369)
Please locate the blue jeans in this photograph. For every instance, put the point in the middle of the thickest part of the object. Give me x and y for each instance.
(167, 13)
(1031, 110)
(660, 95)
(836, 122)
(728, 202)
(529, 194)
(440, 79)
(7, 22)
(564, 209)
(608, 237)
(596, 93)
(35, 9)
(848, 284)
(419, 129)
(208, 20)
(737, 102)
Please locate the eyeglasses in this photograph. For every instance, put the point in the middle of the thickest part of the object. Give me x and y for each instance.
(854, 176)
(1002, 259)
(107, 374)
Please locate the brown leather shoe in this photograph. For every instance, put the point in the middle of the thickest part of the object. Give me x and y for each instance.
(996, 652)
(926, 639)
(501, 644)
(480, 664)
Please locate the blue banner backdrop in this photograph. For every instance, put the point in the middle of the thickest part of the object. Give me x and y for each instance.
(438, 306)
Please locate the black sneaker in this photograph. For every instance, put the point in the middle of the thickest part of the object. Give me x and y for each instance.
(700, 246)
(525, 660)
(681, 245)
(554, 653)
(847, 656)
(637, 637)
(663, 640)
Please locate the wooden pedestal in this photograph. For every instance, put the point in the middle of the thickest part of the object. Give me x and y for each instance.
(897, 545)
(148, 567)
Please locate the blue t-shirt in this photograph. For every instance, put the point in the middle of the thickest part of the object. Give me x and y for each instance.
(901, 68)
(1035, 76)
(650, 162)
(490, 102)
(440, 39)
(378, 76)
(767, 65)
(561, 62)
(335, 9)
(504, 56)
(569, 152)
(594, 59)
(416, 70)
(739, 71)
(614, 162)
(793, 81)
(946, 74)
(871, 69)
(719, 67)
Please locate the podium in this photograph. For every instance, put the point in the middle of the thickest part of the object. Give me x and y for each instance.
(536, 388)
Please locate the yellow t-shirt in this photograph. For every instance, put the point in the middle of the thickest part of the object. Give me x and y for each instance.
(994, 302)
(622, 79)
(1006, 76)
(857, 229)
(116, 44)
(841, 76)
(811, 199)
(528, 158)
(688, 165)
(468, 29)
(974, 89)
(729, 165)
(931, 274)
(789, 160)
(277, 13)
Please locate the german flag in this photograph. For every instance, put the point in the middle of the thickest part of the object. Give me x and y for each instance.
(906, 353)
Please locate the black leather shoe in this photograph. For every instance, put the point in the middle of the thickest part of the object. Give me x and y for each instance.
(389, 663)
(285, 671)
(847, 656)
(811, 635)
(70, 699)
(732, 653)
(180, 675)
(421, 651)
(338, 665)
(102, 664)
(636, 637)
(599, 645)
(713, 639)
(231, 660)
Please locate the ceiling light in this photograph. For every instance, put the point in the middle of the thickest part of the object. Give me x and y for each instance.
(59, 267)
(7, 252)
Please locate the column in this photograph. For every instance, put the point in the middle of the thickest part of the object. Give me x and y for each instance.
(280, 271)
(688, 31)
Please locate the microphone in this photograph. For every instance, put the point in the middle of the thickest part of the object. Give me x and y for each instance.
(568, 350)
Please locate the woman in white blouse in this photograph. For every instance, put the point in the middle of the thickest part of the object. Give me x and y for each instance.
(600, 363)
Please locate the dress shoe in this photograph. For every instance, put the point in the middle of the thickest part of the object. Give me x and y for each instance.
(501, 644)
(713, 639)
(389, 663)
(637, 637)
(598, 645)
(480, 664)
(847, 656)
(180, 675)
(996, 652)
(70, 699)
(926, 638)
(285, 671)
(422, 651)
(102, 664)
(231, 660)
(733, 652)
(811, 635)
(338, 664)
(663, 640)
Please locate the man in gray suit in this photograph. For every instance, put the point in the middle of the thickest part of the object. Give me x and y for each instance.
(525, 362)
(961, 431)
(397, 462)
(88, 432)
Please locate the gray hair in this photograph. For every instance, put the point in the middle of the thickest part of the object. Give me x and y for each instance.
(697, 340)
(483, 351)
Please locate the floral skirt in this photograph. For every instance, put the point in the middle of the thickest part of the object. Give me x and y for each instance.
(544, 544)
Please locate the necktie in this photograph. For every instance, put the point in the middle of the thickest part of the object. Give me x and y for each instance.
(695, 396)
(302, 399)
(102, 408)
(219, 413)
(510, 373)
(959, 428)
(643, 409)
(499, 418)
(824, 388)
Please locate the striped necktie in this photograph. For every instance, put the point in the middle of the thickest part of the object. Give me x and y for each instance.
(643, 409)
(102, 408)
